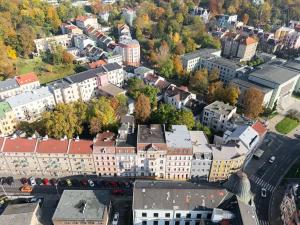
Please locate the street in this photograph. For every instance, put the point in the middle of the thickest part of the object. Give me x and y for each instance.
(263, 174)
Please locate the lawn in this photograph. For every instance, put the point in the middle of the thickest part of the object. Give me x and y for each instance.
(46, 72)
(286, 125)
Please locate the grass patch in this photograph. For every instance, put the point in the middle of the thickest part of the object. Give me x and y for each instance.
(286, 125)
(46, 72)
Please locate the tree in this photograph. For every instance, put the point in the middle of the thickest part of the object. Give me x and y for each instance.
(52, 18)
(178, 67)
(190, 45)
(252, 102)
(214, 75)
(26, 37)
(166, 69)
(134, 87)
(165, 114)
(205, 129)
(67, 58)
(179, 49)
(245, 18)
(232, 93)
(185, 117)
(142, 108)
(151, 92)
(199, 81)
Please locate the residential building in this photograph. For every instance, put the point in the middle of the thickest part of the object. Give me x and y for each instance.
(81, 156)
(204, 14)
(84, 21)
(115, 58)
(143, 71)
(177, 96)
(179, 153)
(70, 29)
(8, 88)
(162, 202)
(82, 41)
(82, 207)
(111, 90)
(282, 32)
(29, 105)
(226, 20)
(130, 51)
(129, 15)
(104, 153)
(151, 151)
(217, 116)
(292, 40)
(49, 43)
(8, 120)
(64, 91)
(193, 61)
(202, 156)
(21, 214)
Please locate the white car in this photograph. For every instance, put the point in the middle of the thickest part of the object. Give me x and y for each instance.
(91, 183)
(32, 181)
(272, 159)
(115, 219)
(263, 192)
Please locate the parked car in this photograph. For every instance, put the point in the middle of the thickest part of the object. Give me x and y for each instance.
(263, 192)
(91, 183)
(272, 159)
(118, 192)
(84, 182)
(32, 181)
(46, 181)
(69, 183)
(113, 184)
(9, 180)
(26, 188)
(3, 180)
(99, 183)
(115, 219)
(39, 181)
(53, 181)
(24, 180)
(75, 182)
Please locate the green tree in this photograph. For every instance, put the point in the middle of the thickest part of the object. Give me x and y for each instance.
(199, 82)
(165, 114)
(151, 92)
(185, 117)
(134, 87)
(166, 69)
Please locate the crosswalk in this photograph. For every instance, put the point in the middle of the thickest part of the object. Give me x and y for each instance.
(262, 183)
(264, 222)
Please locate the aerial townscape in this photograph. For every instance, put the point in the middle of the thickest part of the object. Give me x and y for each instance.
(150, 112)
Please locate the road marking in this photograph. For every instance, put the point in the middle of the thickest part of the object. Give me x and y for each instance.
(263, 222)
(262, 183)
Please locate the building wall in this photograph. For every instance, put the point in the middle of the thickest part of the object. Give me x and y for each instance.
(200, 168)
(8, 123)
(82, 164)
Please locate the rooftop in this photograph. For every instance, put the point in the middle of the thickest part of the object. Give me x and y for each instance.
(19, 145)
(4, 108)
(71, 205)
(27, 78)
(205, 53)
(227, 63)
(228, 151)
(242, 83)
(153, 133)
(178, 137)
(112, 90)
(52, 146)
(107, 139)
(80, 146)
(274, 74)
(28, 97)
(220, 108)
(247, 135)
(18, 214)
(142, 70)
(260, 128)
(293, 64)
(8, 84)
(170, 195)
(199, 142)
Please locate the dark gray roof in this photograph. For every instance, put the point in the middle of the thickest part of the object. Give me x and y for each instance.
(8, 84)
(69, 206)
(293, 64)
(112, 66)
(168, 195)
(243, 83)
(85, 75)
(227, 63)
(153, 133)
(274, 74)
(127, 119)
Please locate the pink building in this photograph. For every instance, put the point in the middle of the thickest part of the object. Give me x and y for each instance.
(130, 51)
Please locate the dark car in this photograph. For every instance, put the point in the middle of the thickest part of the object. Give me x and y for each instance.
(75, 182)
(118, 192)
(113, 184)
(53, 181)
(39, 181)
(62, 183)
(24, 180)
(84, 182)
(9, 180)
(3, 180)
(99, 183)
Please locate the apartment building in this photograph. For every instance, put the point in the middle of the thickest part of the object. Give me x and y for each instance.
(217, 116)
(193, 61)
(202, 156)
(28, 82)
(8, 120)
(70, 29)
(84, 21)
(151, 150)
(130, 51)
(177, 96)
(29, 105)
(64, 91)
(82, 41)
(178, 203)
(179, 153)
(49, 43)
(104, 153)
(224, 20)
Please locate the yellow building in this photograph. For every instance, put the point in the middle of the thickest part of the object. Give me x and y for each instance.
(7, 119)
(227, 159)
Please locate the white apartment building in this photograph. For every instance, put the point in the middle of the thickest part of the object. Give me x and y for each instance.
(48, 43)
(8, 121)
(84, 21)
(29, 105)
(217, 116)
(81, 41)
(179, 153)
(202, 156)
(177, 97)
(64, 91)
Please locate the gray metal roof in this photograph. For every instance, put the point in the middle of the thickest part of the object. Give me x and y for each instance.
(170, 195)
(274, 74)
(8, 84)
(205, 53)
(293, 64)
(69, 205)
(242, 83)
(85, 75)
(112, 66)
(112, 90)
(227, 63)
(153, 133)
(178, 137)
(220, 107)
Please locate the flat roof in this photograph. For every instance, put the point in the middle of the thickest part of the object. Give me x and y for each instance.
(81, 146)
(19, 145)
(206, 53)
(293, 64)
(71, 202)
(228, 151)
(199, 142)
(274, 74)
(178, 137)
(227, 63)
(170, 195)
(154, 133)
(112, 90)
(220, 107)
(247, 84)
(52, 146)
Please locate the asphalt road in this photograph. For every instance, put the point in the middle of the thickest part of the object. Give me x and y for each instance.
(263, 174)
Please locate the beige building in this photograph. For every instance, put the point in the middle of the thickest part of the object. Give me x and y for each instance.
(8, 120)
(130, 51)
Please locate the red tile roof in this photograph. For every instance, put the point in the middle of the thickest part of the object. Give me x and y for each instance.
(52, 146)
(97, 63)
(81, 147)
(260, 128)
(27, 78)
(19, 145)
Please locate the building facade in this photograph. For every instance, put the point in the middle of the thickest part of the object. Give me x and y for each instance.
(130, 51)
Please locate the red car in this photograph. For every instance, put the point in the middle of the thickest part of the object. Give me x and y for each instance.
(46, 181)
(118, 192)
(113, 184)
(84, 182)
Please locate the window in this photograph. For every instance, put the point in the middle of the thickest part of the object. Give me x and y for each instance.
(178, 215)
(155, 214)
(155, 222)
(144, 223)
(167, 222)
(188, 215)
(168, 215)
(144, 214)
(177, 222)
(197, 223)
(187, 223)
(198, 216)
